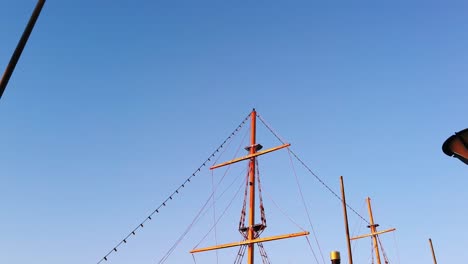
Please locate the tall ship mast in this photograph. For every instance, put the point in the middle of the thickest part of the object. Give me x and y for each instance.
(252, 222)
(252, 231)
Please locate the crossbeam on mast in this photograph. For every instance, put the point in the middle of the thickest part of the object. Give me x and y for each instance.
(250, 156)
(248, 242)
(373, 234)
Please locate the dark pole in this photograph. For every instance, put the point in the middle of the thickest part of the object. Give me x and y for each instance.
(432, 250)
(345, 213)
(19, 48)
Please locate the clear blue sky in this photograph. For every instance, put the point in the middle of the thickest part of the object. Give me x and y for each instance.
(115, 103)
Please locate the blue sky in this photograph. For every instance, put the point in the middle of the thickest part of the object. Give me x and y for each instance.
(115, 103)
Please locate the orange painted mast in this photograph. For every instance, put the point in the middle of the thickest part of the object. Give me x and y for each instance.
(373, 228)
(374, 233)
(253, 149)
(252, 230)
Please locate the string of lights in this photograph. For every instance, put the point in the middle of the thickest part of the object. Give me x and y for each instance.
(310, 171)
(177, 191)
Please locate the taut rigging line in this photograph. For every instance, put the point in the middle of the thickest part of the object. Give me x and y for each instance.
(163, 204)
(307, 167)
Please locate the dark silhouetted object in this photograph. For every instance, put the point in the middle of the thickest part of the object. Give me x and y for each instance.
(432, 250)
(457, 146)
(335, 257)
(19, 48)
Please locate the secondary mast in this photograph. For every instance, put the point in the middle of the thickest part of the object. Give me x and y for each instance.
(345, 213)
(432, 250)
(374, 233)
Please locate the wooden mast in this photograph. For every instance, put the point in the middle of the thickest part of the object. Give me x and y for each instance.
(252, 237)
(345, 212)
(373, 228)
(253, 149)
(374, 233)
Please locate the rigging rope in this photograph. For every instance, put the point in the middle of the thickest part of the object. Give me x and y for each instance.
(396, 246)
(224, 175)
(201, 213)
(260, 197)
(283, 212)
(263, 253)
(222, 214)
(312, 249)
(310, 171)
(163, 204)
(240, 254)
(214, 214)
(305, 206)
(383, 251)
(295, 223)
(244, 205)
(174, 246)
